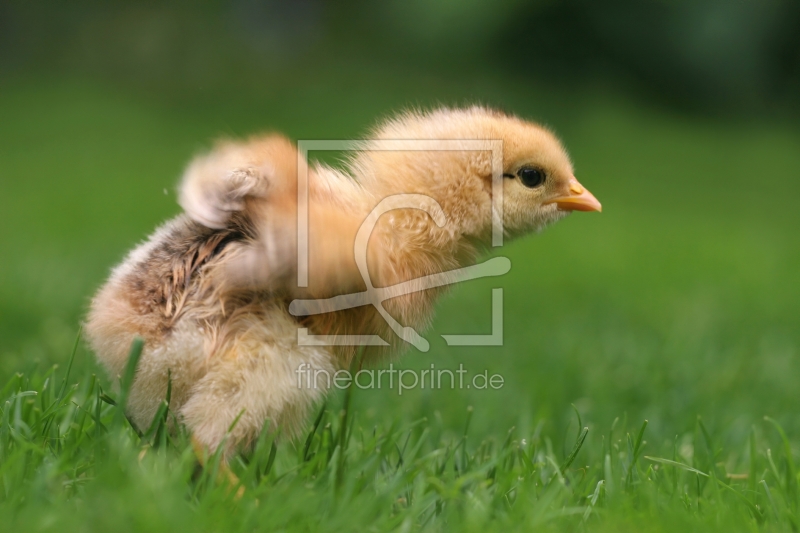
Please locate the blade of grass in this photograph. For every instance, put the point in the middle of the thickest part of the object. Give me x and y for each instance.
(791, 472)
(751, 481)
(676, 464)
(69, 365)
(310, 438)
(575, 449)
(126, 380)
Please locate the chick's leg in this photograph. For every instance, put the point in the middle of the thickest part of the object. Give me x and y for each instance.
(224, 474)
(262, 377)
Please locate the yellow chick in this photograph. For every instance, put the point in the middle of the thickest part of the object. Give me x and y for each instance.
(210, 291)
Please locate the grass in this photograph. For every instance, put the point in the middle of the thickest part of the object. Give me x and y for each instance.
(643, 348)
(71, 460)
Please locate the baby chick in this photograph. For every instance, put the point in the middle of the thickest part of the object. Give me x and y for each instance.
(209, 291)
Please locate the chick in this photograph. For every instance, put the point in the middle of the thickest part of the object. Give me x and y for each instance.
(210, 291)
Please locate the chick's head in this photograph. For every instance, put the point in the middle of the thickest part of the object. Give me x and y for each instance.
(538, 183)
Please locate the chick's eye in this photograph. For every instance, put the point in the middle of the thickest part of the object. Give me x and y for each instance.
(531, 177)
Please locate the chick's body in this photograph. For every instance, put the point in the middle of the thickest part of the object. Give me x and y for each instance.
(210, 290)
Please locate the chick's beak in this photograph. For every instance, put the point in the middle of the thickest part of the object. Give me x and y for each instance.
(579, 199)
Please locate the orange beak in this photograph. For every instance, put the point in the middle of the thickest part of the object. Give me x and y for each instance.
(579, 199)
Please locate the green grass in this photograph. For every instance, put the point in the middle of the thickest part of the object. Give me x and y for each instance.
(71, 461)
(677, 306)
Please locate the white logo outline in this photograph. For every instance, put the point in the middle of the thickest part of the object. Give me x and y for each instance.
(375, 296)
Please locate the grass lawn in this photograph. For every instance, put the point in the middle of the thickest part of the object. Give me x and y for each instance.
(643, 347)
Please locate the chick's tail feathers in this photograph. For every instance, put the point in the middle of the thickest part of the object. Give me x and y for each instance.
(234, 177)
(257, 181)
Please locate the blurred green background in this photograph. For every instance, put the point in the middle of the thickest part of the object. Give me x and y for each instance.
(681, 299)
